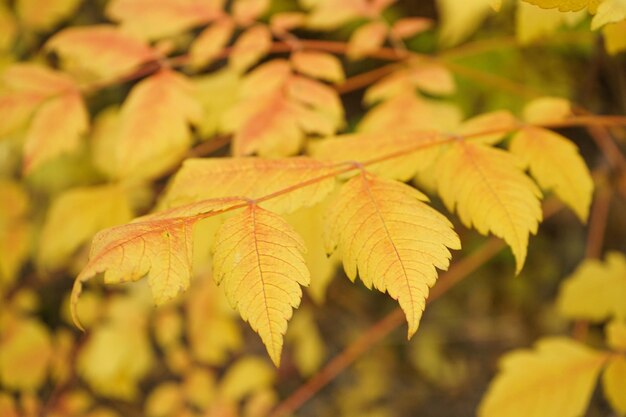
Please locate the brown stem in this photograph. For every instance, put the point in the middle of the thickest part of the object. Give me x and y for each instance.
(365, 79)
(597, 222)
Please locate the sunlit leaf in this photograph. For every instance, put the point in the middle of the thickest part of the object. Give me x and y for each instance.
(318, 65)
(43, 15)
(614, 383)
(250, 47)
(367, 39)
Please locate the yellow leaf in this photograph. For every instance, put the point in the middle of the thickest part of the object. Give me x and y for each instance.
(199, 388)
(250, 47)
(490, 193)
(118, 352)
(566, 5)
(615, 37)
(330, 14)
(245, 12)
(258, 258)
(154, 133)
(217, 93)
(165, 400)
(555, 379)
(206, 47)
(318, 65)
(410, 112)
(154, 19)
(75, 216)
(499, 122)
(458, 23)
(57, 128)
(8, 28)
(160, 243)
(596, 291)
(614, 383)
(25, 352)
(609, 11)
(309, 224)
(205, 178)
(7, 405)
(547, 110)
(211, 327)
(286, 21)
(616, 335)
(100, 51)
(383, 229)
(415, 151)
(245, 377)
(309, 350)
(367, 39)
(43, 15)
(533, 23)
(555, 163)
(15, 232)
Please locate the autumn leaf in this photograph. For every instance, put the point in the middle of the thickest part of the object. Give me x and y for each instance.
(258, 259)
(534, 23)
(245, 12)
(408, 27)
(609, 11)
(565, 370)
(75, 216)
(490, 193)
(385, 231)
(614, 35)
(414, 151)
(159, 244)
(154, 132)
(458, 23)
(566, 5)
(43, 15)
(329, 14)
(309, 350)
(210, 42)
(100, 51)
(318, 65)
(154, 19)
(367, 39)
(596, 291)
(15, 231)
(250, 47)
(57, 128)
(613, 383)
(205, 178)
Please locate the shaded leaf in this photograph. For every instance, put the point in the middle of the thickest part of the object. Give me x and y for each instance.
(385, 231)
(258, 258)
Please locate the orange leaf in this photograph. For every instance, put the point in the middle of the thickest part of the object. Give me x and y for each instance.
(44, 14)
(245, 12)
(210, 42)
(410, 26)
(250, 47)
(367, 39)
(154, 19)
(103, 51)
(318, 65)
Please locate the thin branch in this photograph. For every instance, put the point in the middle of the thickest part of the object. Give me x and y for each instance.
(597, 222)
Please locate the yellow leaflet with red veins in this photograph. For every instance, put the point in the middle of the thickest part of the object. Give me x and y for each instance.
(205, 178)
(412, 150)
(410, 26)
(384, 230)
(565, 370)
(154, 19)
(596, 290)
(57, 128)
(159, 245)
(100, 51)
(367, 39)
(75, 216)
(330, 14)
(43, 15)
(409, 112)
(245, 12)
(259, 260)
(319, 65)
(251, 46)
(207, 46)
(496, 126)
(555, 163)
(490, 193)
(154, 133)
(566, 5)
(613, 383)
